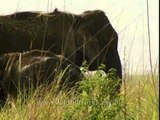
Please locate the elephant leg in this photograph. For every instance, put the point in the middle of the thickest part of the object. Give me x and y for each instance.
(113, 61)
(79, 58)
(3, 95)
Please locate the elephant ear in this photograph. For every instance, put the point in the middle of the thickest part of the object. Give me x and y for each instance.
(99, 26)
(102, 41)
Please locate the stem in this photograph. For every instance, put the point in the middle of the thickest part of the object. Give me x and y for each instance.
(149, 42)
(149, 39)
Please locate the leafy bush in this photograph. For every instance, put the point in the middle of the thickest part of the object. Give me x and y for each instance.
(98, 99)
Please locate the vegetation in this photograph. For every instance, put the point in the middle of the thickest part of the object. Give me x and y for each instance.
(95, 99)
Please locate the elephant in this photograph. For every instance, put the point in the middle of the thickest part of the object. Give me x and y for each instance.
(97, 41)
(27, 71)
(88, 36)
(24, 31)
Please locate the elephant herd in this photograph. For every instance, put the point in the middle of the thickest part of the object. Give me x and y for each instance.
(35, 46)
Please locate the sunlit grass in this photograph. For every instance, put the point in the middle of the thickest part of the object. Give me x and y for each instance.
(141, 102)
(142, 97)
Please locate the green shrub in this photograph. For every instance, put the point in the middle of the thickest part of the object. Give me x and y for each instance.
(96, 101)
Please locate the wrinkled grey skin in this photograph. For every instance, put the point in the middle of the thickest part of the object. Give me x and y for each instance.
(26, 71)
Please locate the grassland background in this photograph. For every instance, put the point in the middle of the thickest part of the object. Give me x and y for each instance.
(139, 101)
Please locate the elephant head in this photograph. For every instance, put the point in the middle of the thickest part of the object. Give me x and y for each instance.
(97, 42)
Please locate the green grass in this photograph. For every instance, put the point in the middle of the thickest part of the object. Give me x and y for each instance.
(142, 97)
(138, 101)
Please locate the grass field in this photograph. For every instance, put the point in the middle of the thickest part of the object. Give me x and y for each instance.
(138, 100)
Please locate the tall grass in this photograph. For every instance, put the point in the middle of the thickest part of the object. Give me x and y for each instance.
(137, 101)
(141, 100)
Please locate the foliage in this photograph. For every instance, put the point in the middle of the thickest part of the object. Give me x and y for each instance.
(96, 99)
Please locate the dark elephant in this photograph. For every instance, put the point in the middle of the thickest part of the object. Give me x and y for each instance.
(24, 31)
(88, 36)
(27, 71)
